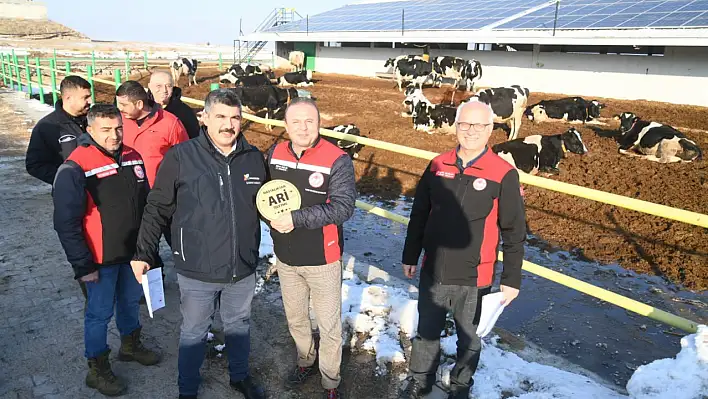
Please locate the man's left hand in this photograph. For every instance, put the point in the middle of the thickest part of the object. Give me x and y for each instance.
(509, 294)
(283, 224)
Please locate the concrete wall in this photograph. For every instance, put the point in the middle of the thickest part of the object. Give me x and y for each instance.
(680, 76)
(22, 9)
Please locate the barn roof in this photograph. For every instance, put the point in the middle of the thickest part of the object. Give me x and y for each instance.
(678, 22)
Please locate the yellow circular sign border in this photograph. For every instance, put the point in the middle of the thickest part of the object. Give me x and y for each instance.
(264, 209)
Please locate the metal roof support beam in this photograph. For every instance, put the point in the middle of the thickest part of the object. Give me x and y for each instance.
(519, 15)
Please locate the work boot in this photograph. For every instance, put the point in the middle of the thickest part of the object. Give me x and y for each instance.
(131, 349)
(299, 375)
(332, 394)
(461, 393)
(101, 377)
(415, 390)
(248, 388)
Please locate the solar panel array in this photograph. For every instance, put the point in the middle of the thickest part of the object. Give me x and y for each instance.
(619, 14)
(472, 15)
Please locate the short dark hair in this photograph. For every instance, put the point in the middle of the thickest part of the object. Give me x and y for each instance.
(222, 96)
(303, 100)
(72, 82)
(102, 110)
(133, 90)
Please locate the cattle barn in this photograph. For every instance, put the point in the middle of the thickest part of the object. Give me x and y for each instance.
(634, 49)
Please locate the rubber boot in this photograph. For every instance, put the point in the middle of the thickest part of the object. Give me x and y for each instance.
(131, 349)
(101, 377)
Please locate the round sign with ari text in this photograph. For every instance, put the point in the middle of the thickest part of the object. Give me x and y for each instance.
(276, 198)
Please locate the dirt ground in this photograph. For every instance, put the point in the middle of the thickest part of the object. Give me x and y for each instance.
(639, 242)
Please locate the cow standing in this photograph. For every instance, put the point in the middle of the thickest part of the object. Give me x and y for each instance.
(237, 71)
(508, 104)
(270, 99)
(655, 141)
(186, 67)
(297, 60)
(349, 147)
(408, 68)
(537, 153)
(570, 109)
(302, 78)
(463, 72)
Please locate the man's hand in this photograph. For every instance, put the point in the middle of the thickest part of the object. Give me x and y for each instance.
(139, 268)
(283, 224)
(409, 270)
(509, 294)
(90, 278)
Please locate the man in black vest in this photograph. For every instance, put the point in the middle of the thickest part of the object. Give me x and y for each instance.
(207, 187)
(55, 136)
(161, 89)
(309, 242)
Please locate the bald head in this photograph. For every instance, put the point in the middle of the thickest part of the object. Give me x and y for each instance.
(476, 108)
(474, 124)
(161, 86)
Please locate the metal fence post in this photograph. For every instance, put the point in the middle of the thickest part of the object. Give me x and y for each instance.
(9, 72)
(28, 75)
(93, 59)
(145, 59)
(127, 65)
(55, 57)
(39, 80)
(68, 68)
(89, 72)
(17, 70)
(116, 75)
(53, 75)
(2, 68)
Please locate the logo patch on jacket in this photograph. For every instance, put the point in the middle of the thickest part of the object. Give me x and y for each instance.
(107, 173)
(251, 179)
(479, 184)
(67, 138)
(316, 180)
(139, 172)
(447, 175)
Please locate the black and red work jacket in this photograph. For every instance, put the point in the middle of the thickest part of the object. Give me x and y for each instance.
(457, 216)
(98, 205)
(324, 176)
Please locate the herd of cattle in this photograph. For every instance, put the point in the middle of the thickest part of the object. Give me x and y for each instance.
(258, 88)
(651, 140)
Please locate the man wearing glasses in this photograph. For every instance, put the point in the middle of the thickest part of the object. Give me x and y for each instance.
(465, 198)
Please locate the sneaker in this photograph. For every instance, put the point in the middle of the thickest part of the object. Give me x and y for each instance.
(332, 394)
(248, 388)
(300, 375)
(415, 390)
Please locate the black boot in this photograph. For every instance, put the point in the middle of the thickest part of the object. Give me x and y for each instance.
(415, 390)
(131, 349)
(248, 388)
(101, 377)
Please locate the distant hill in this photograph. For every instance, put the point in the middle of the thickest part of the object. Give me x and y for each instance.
(36, 29)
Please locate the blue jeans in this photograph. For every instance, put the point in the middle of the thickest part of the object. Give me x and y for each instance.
(199, 301)
(116, 286)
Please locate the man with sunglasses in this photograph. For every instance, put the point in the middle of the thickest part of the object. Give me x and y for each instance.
(465, 198)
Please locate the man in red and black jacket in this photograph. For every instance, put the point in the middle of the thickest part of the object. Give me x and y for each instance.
(99, 196)
(465, 198)
(308, 242)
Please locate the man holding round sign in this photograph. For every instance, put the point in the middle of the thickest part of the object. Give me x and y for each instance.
(311, 195)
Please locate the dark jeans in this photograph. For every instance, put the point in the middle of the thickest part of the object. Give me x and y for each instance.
(116, 287)
(199, 302)
(434, 301)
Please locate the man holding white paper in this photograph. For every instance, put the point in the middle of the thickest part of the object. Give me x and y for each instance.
(464, 199)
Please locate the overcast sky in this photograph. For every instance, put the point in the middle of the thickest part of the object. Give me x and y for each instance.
(181, 21)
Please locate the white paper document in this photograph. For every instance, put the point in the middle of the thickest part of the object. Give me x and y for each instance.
(491, 309)
(154, 292)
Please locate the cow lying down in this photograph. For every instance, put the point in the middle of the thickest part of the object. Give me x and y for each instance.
(534, 154)
(349, 147)
(655, 141)
(413, 96)
(570, 109)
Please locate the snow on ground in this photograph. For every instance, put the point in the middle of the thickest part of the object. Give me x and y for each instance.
(683, 377)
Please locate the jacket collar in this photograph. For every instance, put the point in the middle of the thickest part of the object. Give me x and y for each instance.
(314, 146)
(80, 121)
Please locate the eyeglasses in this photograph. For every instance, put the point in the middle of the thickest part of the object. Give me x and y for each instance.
(478, 127)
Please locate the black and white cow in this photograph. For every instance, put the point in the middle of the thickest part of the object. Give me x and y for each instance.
(413, 96)
(410, 69)
(270, 99)
(655, 141)
(253, 80)
(508, 104)
(434, 117)
(569, 109)
(239, 70)
(533, 154)
(299, 79)
(186, 67)
(349, 147)
(464, 72)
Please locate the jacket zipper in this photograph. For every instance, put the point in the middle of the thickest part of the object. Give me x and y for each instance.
(221, 187)
(233, 217)
(181, 243)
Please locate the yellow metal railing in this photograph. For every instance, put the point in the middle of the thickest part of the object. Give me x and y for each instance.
(596, 195)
